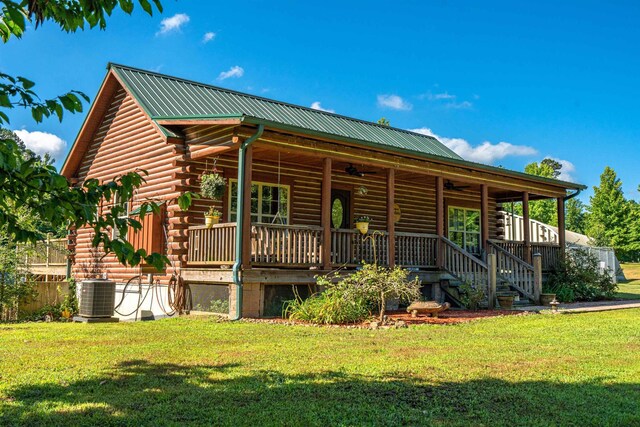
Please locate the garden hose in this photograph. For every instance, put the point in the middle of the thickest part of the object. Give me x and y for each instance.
(141, 300)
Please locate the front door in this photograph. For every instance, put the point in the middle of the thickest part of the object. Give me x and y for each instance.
(340, 208)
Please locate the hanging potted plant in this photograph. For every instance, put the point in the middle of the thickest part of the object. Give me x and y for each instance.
(212, 185)
(212, 217)
(362, 223)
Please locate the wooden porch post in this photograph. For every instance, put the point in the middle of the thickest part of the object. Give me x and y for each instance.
(246, 217)
(484, 216)
(537, 277)
(326, 214)
(391, 225)
(562, 241)
(440, 218)
(493, 279)
(526, 232)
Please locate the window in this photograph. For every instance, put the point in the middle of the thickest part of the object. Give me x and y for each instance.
(464, 228)
(269, 202)
(122, 215)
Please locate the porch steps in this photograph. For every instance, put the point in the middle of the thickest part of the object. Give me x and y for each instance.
(452, 295)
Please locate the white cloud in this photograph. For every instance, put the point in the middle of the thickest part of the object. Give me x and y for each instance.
(172, 24)
(439, 96)
(486, 152)
(447, 100)
(208, 37)
(459, 105)
(235, 71)
(394, 102)
(567, 171)
(316, 106)
(42, 142)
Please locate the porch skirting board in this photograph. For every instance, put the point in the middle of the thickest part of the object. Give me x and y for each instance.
(257, 282)
(282, 276)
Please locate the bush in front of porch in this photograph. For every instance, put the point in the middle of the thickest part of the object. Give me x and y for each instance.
(355, 297)
(580, 278)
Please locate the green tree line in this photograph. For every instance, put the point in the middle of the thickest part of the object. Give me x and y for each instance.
(610, 219)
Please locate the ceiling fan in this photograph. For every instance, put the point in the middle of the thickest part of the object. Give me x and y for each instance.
(451, 186)
(353, 171)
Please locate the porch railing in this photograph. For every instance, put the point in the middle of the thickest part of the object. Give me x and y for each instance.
(416, 250)
(212, 246)
(49, 253)
(349, 247)
(286, 245)
(518, 273)
(550, 252)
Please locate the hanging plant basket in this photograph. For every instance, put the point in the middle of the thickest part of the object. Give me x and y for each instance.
(212, 185)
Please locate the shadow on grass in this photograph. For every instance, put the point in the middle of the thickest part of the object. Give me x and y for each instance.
(140, 393)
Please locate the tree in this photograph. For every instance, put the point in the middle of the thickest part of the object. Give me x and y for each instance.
(575, 216)
(28, 183)
(544, 211)
(384, 122)
(608, 211)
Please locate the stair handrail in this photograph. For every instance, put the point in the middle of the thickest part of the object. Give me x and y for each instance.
(500, 249)
(482, 266)
(528, 268)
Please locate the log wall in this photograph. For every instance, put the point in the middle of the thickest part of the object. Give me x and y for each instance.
(127, 140)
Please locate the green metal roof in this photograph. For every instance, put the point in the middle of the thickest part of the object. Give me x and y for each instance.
(166, 97)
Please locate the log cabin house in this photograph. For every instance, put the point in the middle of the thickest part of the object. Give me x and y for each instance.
(296, 179)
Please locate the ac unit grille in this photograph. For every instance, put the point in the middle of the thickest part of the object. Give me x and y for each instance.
(97, 298)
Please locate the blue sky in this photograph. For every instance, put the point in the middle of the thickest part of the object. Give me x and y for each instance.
(500, 82)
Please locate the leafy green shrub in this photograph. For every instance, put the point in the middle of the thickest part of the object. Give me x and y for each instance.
(327, 307)
(355, 297)
(219, 306)
(578, 278)
(53, 311)
(70, 302)
(471, 295)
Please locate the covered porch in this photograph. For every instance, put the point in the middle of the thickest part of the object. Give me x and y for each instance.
(302, 198)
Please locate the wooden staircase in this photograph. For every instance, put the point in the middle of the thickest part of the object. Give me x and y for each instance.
(514, 276)
(513, 272)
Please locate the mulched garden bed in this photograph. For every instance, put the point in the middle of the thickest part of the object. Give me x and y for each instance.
(394, 318)
(451, 316)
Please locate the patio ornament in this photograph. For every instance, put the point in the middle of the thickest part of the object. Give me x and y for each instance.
(429, 308)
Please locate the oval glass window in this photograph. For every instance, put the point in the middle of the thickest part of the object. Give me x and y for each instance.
(337, 213)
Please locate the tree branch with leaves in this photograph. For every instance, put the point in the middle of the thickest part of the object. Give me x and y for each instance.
(28, 183)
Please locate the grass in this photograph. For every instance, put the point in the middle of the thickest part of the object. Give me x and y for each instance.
(631, 288)
(526, 370)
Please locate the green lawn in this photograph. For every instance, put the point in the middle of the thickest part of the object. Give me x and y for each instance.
(580, 369)
(631, 288)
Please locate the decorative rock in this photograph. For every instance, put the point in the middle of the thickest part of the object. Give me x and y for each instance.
(374, 325)
(431, 308)
(401, 324)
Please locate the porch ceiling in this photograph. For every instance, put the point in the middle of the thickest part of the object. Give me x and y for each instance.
(464, 186)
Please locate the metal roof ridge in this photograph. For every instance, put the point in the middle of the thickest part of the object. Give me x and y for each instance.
(273, 101)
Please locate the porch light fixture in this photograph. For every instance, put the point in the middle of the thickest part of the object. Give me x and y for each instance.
(362, 190)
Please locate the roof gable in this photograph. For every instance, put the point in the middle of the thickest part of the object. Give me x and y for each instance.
(167, 97)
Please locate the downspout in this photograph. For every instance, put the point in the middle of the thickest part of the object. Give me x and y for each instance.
(237, 280)
(571, 196)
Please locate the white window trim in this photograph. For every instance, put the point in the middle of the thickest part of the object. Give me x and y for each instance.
(260, 185)
(464, 232)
